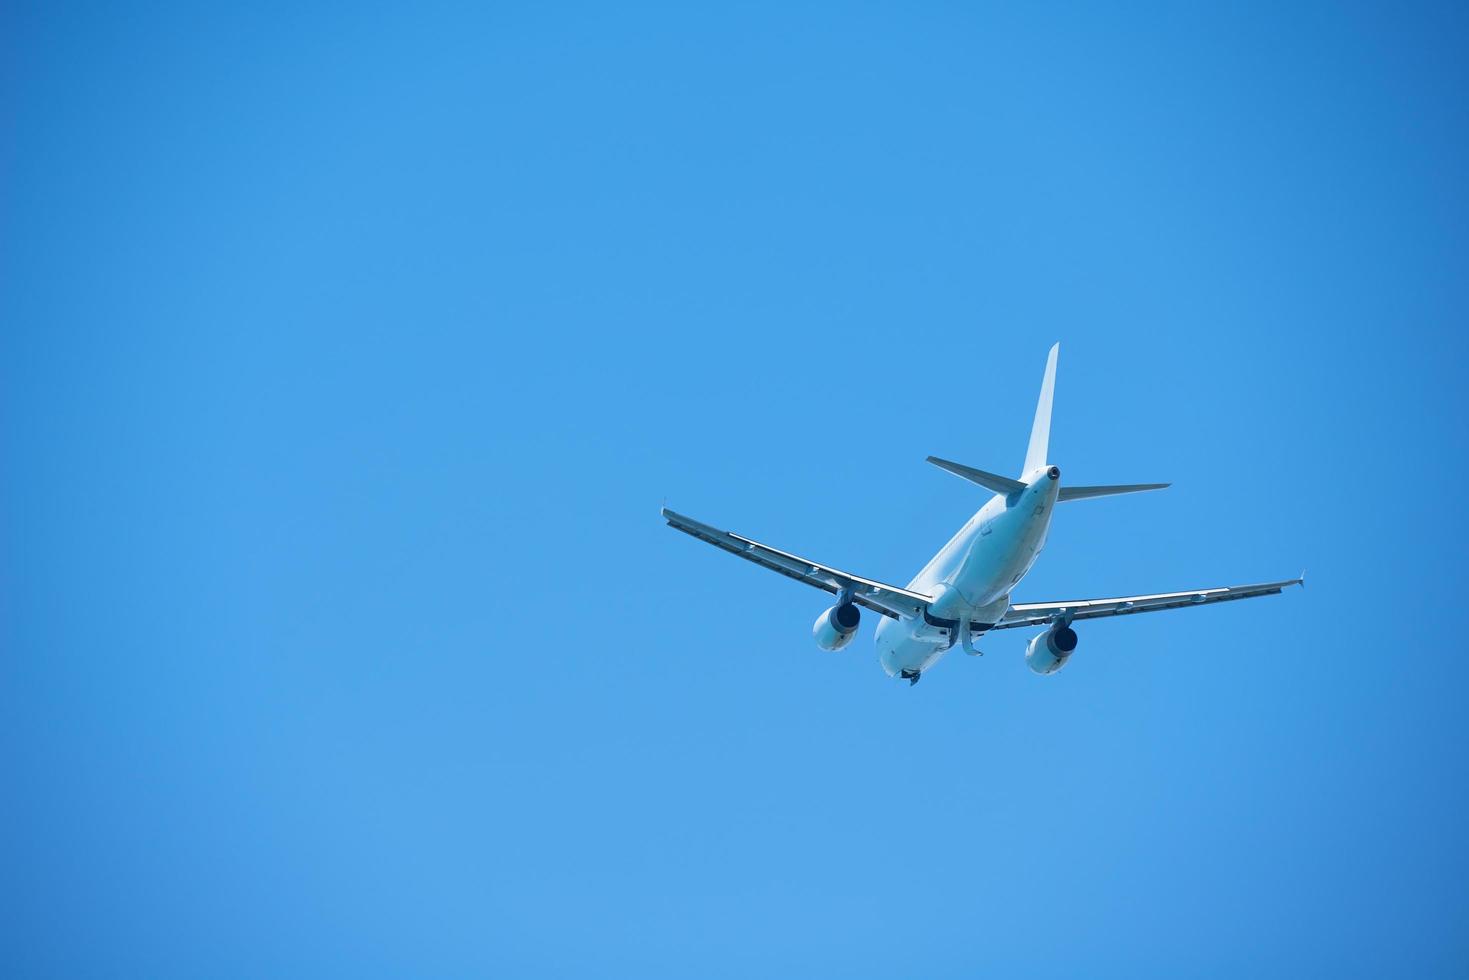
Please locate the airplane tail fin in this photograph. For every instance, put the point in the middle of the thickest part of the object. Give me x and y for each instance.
(1040, 429)
(1040, 444)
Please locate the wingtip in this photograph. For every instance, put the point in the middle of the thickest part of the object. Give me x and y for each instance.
(1301, 580)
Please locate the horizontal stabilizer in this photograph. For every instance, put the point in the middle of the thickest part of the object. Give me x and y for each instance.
(990, 481)
(1081, 493)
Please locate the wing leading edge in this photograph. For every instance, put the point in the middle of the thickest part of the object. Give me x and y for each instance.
(889, 600)
(1042, 613)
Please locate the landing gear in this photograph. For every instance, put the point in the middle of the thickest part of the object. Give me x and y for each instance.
(966, 638)
(911, 676)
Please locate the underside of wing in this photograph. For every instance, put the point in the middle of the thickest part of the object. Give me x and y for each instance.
(889, 600)
(1042, 613)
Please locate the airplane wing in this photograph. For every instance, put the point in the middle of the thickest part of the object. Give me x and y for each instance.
(1042, 613)
(889, 600)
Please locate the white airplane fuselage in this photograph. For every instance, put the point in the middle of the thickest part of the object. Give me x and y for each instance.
(971, 577)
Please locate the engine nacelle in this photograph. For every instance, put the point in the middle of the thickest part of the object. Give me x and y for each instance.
(835, 628)
(1049, 651)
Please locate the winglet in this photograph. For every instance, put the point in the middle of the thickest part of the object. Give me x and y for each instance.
(1040, 429)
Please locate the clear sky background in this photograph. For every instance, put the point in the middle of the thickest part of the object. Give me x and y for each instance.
(347, 354)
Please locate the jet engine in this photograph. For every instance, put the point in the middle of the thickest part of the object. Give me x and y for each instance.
(1049, 651)
(835, 628)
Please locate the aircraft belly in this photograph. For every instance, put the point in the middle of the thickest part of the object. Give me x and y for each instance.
(909, 645)
(1000, 559)
(992, 570)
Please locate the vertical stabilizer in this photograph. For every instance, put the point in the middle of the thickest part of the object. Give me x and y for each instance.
(1040, 430)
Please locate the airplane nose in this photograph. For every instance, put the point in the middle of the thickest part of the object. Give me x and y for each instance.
(1054, 472)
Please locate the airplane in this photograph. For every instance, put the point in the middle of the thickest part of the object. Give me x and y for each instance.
(964, 591)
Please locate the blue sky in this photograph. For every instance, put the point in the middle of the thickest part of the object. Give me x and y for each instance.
(347, 353)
